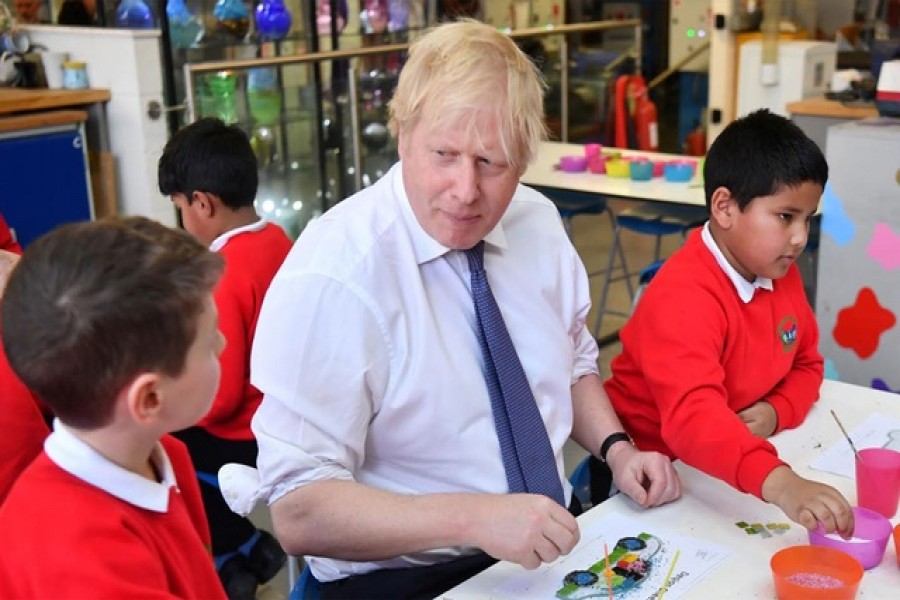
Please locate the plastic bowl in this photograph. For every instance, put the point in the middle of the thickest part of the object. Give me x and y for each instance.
(659, 168)
(597, 164)
(573, 164)
(678, 171)
(897, 543)
(807, 572)
(617, 167)
(641, 170)
(870, 537)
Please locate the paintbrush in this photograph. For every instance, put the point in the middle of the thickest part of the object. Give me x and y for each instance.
(665, 583)
(607, 572)
(846, 435)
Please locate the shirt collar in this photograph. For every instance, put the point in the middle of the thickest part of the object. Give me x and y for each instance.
(426, 248)
(77, 458)
(220, 241)
(745, 289)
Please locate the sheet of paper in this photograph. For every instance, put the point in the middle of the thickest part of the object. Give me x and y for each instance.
(644, 574)
(878, 431)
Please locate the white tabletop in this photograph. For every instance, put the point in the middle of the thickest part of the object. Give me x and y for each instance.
(710, 509)
(543, 173)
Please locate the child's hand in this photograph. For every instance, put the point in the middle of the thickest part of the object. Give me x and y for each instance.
(760, 418)
(808, 502)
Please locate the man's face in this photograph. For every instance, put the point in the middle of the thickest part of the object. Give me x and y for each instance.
(27, 10)
(459, 184)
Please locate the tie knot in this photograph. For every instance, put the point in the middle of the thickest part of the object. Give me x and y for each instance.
(475, 255)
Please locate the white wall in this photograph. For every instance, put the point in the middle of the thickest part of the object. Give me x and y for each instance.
(128, 63)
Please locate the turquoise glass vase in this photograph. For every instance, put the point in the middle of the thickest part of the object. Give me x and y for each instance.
(185, 28)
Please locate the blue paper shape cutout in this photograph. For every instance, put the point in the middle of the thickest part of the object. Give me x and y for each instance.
(831, 371)
(835, 221)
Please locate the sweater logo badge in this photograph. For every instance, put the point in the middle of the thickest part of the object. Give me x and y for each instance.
(787, 332)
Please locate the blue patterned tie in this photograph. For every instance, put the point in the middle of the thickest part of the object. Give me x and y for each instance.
(524, 443)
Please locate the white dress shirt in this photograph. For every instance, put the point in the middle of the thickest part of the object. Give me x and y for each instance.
(367, 352)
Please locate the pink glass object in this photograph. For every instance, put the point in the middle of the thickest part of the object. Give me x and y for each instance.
(870, 537)
(592, 150)
(878, 480)
(597, 164)
(572, 164)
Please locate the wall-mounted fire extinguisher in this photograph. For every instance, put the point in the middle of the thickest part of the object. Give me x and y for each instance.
(636, 120)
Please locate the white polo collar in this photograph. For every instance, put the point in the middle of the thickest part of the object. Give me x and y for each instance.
(79, 459)
(223, 239)
(745, 289)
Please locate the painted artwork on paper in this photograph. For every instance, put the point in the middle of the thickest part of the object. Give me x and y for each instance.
(643, 565)
(630, 563)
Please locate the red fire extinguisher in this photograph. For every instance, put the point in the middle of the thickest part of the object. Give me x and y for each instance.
(636, 119)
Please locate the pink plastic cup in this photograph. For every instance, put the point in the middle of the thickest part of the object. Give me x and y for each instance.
(878, 480)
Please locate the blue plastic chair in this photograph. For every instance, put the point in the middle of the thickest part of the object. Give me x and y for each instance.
(656, 220)
(306, 587)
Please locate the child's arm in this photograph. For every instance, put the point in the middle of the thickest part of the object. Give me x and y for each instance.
(808, 502)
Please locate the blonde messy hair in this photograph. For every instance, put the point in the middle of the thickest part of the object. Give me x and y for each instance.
(463, 67)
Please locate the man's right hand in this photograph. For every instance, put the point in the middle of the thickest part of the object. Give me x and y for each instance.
(808, 502)
(527, 529)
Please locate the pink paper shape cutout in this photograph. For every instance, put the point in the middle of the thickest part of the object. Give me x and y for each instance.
(885, 247)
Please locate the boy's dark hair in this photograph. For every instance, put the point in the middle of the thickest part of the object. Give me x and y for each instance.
(91, 305)
(758, 155)
(210, 156)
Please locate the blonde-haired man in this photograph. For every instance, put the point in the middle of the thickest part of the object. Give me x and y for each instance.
(378, 449)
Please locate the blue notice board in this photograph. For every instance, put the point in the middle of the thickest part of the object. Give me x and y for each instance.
(44, 180)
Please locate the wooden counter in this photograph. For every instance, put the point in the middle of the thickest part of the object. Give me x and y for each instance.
(17, 100)
(41, 119)
(821, 107)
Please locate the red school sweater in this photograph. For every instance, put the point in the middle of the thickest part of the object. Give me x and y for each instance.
(22, 424)
(65, 538)
(251, 260)
(693, 354)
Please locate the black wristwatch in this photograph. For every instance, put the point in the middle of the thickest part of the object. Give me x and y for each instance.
(619, 436)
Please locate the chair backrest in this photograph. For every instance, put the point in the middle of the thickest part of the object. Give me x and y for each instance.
(306, 587)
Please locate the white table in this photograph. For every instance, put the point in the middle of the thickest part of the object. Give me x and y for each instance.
(543, 174)
(709, 510)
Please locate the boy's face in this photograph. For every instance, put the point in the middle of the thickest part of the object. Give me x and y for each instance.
(768, 236)
(191, 393)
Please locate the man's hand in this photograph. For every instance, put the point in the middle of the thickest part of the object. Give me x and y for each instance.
(527, 529)
(760, 418)
(647, 477)
(808, 502)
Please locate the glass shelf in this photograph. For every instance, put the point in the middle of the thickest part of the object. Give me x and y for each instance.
(324, 133)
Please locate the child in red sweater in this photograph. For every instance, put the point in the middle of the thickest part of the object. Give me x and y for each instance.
(113, 324)
(20, 419)
(721, 351)
(209, 170)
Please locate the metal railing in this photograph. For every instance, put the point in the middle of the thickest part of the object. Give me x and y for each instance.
(562, 31)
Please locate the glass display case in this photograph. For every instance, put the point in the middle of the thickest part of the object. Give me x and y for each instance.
(318, 120)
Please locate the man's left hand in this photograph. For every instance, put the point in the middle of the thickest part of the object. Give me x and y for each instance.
(647, 477)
